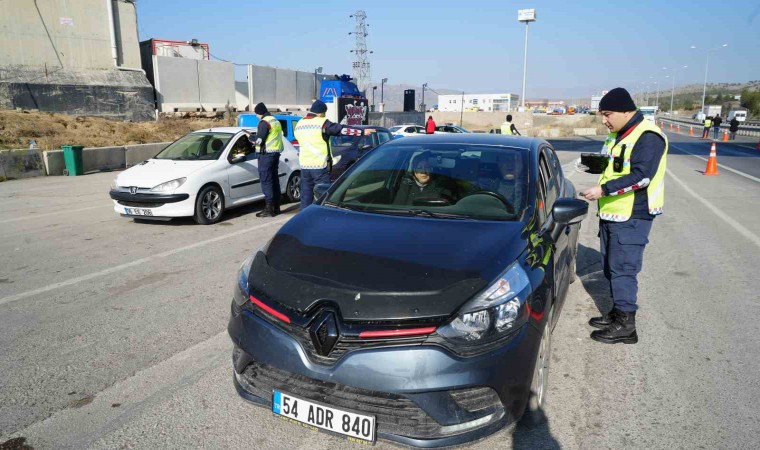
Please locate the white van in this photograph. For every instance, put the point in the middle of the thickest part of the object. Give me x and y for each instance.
(741, 116)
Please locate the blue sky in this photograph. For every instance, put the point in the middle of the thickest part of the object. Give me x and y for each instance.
(576, 47)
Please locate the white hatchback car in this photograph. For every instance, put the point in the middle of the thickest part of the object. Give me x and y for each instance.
(200, 175)
(406, 130)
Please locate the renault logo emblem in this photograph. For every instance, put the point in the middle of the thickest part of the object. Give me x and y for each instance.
(133, 189)
(324, 333)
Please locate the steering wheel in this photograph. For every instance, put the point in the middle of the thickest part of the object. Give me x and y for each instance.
(496, 195)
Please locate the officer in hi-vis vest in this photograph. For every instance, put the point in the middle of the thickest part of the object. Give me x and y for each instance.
(268, 143)
(509, 128)
(313, 135)
(631, 193)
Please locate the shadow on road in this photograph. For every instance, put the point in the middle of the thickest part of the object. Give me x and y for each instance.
(589, 271)
(533, 432)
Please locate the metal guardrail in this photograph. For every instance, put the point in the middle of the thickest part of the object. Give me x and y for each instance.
(751, 129)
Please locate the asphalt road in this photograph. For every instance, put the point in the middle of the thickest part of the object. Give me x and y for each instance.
(113, 333)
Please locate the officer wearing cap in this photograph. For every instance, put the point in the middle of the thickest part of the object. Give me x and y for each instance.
(269, 144)
(313, 134)
(631, 194)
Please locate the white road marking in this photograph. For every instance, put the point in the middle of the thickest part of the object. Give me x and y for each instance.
(745, 175)
(111, 270)
(741, 229)
(64, 211)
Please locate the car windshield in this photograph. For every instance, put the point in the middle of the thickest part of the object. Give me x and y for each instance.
(457, 181)
(394, 129)
(195, 146)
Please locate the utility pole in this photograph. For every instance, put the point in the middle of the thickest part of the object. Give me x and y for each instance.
(361, 63)
(527, 16)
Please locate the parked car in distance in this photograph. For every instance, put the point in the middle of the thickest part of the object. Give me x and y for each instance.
(450, 128)
(200, 175)
(287, 121)
(346, 150)
(421, 318)
(406, 130)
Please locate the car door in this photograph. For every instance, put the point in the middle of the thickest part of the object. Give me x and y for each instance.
(551, 173)
(243, 176)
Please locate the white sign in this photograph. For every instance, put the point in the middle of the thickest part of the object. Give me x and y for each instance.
(67, 21)
(526, 15)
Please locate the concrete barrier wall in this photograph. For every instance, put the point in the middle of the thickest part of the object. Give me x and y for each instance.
(16, 164)
(482, 120)
(136, 154)
(103, 158)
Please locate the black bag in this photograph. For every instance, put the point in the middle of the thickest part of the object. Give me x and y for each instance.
(596, 162)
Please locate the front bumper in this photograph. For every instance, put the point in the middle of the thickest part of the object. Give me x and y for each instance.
(422, 395)
(160, 205)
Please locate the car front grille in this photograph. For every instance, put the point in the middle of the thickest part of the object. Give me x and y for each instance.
(395, 414)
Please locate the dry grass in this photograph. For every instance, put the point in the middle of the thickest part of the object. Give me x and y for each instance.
(52, 130)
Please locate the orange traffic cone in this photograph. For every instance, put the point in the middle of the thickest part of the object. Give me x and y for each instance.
(725, 135)
(671, 126)
(678, 129)
(691, 131)
(712, 162)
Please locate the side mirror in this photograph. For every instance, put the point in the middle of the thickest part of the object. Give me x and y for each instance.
(320, 190)
(569, 211)
(237, 159)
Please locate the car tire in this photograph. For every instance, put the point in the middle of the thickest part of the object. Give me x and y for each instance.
(209, 205)
(534, 412)
(293, 188)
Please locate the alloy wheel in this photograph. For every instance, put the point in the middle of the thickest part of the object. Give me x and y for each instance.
(211, 205)
(294, 187)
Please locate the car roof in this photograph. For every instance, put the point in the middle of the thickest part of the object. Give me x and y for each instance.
(223, 129)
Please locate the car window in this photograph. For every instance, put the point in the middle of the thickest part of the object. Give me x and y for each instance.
(207, 145)
(394, 129)
(410, 130)
(555, 167)
(382, 136)
(449, 179)
(549, 180)
(341, 142)
(242, 147)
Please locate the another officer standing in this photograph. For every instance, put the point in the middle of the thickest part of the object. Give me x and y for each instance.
(631, 194)
(313, 134)
(270, 146)
(509, 128)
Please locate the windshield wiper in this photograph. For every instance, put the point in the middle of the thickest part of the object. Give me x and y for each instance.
(341, 206)
(421, 213)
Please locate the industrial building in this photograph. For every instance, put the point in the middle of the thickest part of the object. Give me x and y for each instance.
(478, 102)
(77, 57)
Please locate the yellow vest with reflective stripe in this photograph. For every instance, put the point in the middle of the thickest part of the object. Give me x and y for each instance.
(274, 138)
(618, 208)
(708, 123)
(314, 151)
(506, 128)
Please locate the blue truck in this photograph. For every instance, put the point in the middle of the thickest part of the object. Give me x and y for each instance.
(288, 122)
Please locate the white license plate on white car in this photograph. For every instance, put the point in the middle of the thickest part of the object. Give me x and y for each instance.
(138, 212)
(357, 427)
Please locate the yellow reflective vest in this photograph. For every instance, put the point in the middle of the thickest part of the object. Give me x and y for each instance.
(506, 128)
(618, 206)
(708, 123)
(314, 151)
(274, 138)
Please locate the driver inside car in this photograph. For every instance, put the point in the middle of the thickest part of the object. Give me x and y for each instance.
(503, 180)
(421, 183)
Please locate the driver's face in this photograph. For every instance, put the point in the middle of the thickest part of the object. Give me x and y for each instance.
(506, 168)
(422, 171)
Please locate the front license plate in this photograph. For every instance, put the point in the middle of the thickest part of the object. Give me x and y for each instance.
(138, 212)
(357, 427)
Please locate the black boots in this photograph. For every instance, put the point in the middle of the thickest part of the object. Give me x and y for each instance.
(604, 321)
(277, 207)
(622, 329)
(268, 211)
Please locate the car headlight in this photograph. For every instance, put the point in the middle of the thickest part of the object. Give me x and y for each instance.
(240, 294)
(113, 184)
(169, 185)
(497, 311)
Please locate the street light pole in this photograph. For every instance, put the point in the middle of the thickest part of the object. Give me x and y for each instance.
(424, 85)
(316, 84)
(707, 63)
(673, 86)
(382, 88)
(374, 88)
(527, 16)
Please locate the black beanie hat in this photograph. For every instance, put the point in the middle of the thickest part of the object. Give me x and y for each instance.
(260, 108)
(618, 100)
(318, 107)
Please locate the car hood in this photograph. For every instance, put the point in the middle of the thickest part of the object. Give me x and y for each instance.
(153, 172)
(382, 267)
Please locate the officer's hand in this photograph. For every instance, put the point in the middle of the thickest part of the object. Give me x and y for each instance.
(593, 193)
(368, 131)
